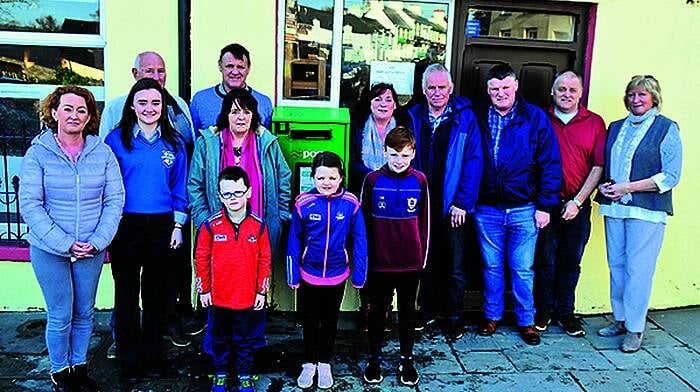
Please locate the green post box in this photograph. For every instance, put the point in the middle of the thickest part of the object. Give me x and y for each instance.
(304, 132)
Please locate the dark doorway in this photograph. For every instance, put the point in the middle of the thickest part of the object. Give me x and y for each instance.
(538, 39)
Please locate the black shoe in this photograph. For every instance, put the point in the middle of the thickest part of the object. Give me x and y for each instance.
(82, 382)
(542, 321)
(62, 381)
(424, 320)
(408, 375)
(454, 330)
(373, 371)
(572, 326)
(176, 338)
(193, 326)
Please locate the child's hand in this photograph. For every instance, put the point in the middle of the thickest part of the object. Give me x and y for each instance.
(176, 238)
(205, 299)
(259, 301)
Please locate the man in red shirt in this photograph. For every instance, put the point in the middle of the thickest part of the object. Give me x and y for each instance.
(581, 136)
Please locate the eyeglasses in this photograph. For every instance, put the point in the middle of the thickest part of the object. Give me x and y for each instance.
(236, 194)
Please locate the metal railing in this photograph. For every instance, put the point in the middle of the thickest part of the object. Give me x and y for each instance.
(13, 146)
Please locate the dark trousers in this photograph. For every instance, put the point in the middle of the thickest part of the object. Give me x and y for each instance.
(180, 287)
(140, 256)
(232, 331)
(319, 307)
(382, 286)
(560, 247)
(444, 279)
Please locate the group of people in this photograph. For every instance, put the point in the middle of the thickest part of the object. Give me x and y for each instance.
(420, 178)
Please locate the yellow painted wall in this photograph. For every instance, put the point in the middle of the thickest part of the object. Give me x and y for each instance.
(217, 23)
(659, 37)
(133, 28)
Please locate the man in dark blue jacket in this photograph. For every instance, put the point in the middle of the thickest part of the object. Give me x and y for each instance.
(448, 151)
(519, 187)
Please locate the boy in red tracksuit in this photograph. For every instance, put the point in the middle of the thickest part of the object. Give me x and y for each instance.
(232, 261)
(396, 207)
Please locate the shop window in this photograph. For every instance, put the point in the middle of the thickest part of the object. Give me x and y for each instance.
(334, 48)
(43, 44)
(523, 25)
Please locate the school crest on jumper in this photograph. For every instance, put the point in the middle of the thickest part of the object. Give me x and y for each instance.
(412, 202)
(381, 204)
(167, 157)
(339, 216)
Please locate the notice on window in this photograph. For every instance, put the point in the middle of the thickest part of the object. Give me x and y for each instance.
(398, 74)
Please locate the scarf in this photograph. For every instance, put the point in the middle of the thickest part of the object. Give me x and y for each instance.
(631, 134)
(373, 144)
(245, 156)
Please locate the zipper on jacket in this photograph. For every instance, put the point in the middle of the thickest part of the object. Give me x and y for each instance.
(328, 235)
(77, 197)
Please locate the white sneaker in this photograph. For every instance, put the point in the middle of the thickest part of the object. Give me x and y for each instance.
(306, 378)
(325, 378)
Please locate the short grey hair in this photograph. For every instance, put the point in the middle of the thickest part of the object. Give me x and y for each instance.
(434, 68)
(567, 74)
(137, 60)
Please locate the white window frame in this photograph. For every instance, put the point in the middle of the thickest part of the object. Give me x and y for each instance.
(29, 38)
(337, 52)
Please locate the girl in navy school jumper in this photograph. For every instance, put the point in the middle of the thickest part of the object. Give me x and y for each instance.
(153, 163)
(318, 264)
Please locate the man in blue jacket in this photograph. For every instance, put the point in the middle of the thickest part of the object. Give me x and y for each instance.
(519, 187)
(448, 151)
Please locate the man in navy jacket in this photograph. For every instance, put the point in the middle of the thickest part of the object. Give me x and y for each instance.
(448, 151)
(519, 187)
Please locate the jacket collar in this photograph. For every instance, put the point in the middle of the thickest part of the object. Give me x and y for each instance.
(47, 139)
(583, 113)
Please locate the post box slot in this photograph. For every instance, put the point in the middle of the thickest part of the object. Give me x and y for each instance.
(315, 134)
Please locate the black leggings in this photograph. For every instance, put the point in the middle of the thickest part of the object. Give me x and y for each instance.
(382, 285)
(319, 307)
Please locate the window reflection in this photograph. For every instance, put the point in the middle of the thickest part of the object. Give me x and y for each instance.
(51, 65)
(50, 16)
(520, 25)
(381, 37)
(308, 36)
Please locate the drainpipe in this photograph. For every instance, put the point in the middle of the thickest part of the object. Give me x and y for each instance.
(184, 49)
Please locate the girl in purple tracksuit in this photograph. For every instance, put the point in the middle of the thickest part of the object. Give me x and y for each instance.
(318, 263)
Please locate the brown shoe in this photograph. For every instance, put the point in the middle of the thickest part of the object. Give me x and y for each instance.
(488, 327)
(530, 335)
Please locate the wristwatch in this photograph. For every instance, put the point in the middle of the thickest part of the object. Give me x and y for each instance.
(578, 203)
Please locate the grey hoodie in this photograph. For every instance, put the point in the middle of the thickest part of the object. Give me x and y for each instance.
(63, 202)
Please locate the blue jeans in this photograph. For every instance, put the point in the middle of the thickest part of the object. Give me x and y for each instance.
(510, 235)
(558, 262)
(69, 289)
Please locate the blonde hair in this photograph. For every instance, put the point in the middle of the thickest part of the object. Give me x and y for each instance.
(647, 82)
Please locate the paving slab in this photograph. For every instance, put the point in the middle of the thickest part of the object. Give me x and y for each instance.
(684, 362)
(641, 380)
(521, 382)
(23, 333)
(642, 359)
(473, 342)
(555, 360)
(485, 362)
(675, 322)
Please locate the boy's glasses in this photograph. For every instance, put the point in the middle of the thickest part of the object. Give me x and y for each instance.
(231, 195)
